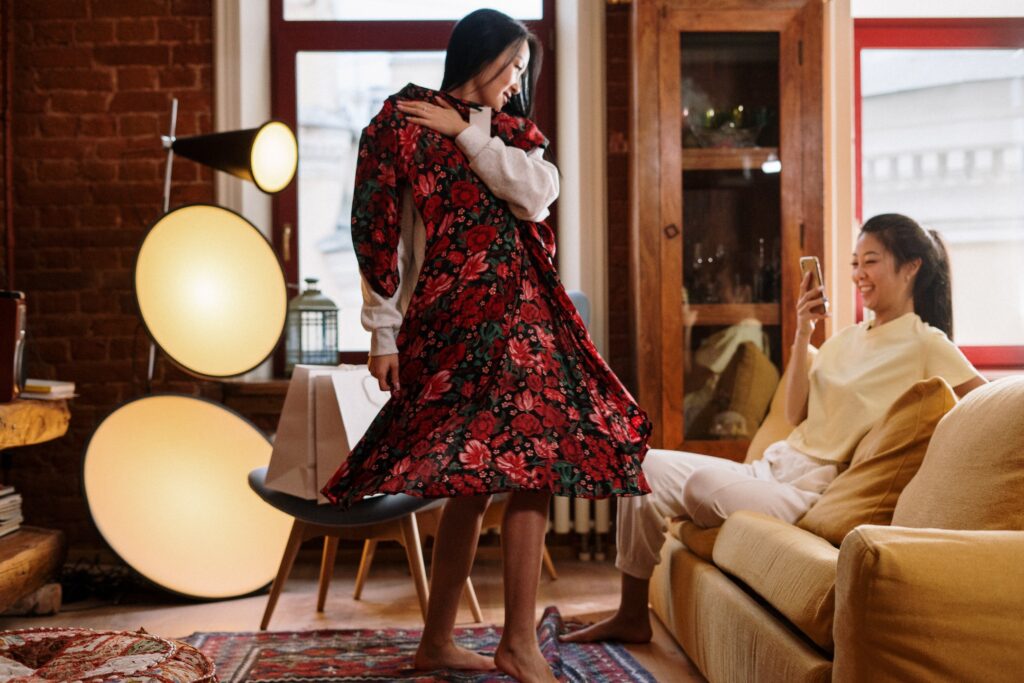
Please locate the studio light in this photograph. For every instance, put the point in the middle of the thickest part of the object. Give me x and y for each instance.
(210, 290)
(164, 479)
(166, 475)
(267, 155)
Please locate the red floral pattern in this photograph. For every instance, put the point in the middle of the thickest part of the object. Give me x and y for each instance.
(502, 388)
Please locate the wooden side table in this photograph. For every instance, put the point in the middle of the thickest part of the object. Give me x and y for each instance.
(24, 422)
(30, 556)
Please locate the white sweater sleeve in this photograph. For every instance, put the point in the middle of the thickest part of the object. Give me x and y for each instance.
(527, 181)
(382, 316)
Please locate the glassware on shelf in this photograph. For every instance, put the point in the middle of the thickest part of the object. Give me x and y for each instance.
(739, 126)
(759, 271)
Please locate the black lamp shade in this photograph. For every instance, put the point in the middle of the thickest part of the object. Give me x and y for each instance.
(267, 155)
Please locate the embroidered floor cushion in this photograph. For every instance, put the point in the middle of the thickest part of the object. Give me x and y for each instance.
(86, 656)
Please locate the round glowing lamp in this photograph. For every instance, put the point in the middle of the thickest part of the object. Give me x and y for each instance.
(267, 156)
(165, 478)
(210, 290)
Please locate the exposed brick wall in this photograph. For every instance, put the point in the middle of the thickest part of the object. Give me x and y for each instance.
(620, 321)
(94, 81)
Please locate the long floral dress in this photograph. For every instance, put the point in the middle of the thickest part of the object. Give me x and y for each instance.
(501, 386)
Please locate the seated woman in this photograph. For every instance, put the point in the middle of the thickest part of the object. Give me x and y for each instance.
(902, 273)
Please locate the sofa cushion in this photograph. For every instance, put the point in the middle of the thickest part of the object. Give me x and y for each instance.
(775, 426)
(726, 632)
(972, 476)
(882, 465)
(698, 540)
(791, 569)
(741, 396)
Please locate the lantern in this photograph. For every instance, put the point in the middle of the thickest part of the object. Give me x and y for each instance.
(311, 329)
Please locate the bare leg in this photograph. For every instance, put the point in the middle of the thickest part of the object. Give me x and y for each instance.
(522, 545)
(630, 624)
(454, 550)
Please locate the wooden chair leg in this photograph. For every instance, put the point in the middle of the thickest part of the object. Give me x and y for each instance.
(414, 553)
(291, 550)
(326, 570)
(549, 565)
(369, 547)
(474, 604)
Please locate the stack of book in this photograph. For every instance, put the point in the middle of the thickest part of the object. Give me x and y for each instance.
(48, 389)
(10, 510)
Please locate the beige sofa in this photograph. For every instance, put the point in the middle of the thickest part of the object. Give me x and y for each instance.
(938, 595)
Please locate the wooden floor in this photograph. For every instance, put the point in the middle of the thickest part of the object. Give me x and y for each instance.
(583, 591)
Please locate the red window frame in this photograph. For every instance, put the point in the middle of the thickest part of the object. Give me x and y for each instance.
(288, 38)
(935, 33)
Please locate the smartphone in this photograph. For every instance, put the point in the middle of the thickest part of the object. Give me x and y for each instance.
(811, 264)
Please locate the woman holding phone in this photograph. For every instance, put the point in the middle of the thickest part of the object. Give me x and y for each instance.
(495, 384)
(902, 274)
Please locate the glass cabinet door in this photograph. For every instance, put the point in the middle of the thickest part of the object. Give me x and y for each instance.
(728, 185)
(731, 230)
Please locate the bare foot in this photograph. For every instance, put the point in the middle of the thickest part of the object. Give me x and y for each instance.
(523, 664)
(617, 627)
(451, 656)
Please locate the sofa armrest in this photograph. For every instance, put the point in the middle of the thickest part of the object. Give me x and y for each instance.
(929, 604)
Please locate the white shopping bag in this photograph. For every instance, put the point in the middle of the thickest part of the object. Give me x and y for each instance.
(326, 411)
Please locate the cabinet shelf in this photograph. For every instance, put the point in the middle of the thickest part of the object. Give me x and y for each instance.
(730, 314)
(726, 159)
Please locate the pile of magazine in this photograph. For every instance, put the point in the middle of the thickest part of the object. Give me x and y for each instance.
(48, 389)
(10, 510)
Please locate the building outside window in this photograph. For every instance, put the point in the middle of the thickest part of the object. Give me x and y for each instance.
(941, 130)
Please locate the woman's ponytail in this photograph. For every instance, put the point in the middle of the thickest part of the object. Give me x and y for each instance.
(933, 296)
(907, 241)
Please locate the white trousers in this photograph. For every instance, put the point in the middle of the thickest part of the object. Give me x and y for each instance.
(785, 483)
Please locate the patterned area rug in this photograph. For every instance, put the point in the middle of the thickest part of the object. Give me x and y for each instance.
(386, 655)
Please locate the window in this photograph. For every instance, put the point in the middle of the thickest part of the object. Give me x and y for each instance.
(334, 62)
(404, 10)
(940, 118)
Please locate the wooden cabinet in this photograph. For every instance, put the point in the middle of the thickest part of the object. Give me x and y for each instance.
(727, 193)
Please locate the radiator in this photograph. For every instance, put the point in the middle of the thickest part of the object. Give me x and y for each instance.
(590, 519)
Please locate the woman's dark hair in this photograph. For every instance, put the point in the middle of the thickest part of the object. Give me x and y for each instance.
(483, 36)
(907, 241)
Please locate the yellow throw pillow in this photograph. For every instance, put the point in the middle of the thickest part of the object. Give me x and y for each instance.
(973, 476)
(775, 426)
(700, 541)
(741, 396)
(883, 464)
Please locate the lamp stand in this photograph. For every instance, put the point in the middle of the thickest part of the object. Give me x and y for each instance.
(168, 141)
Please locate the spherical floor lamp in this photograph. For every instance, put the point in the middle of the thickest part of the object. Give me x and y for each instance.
(165, 475)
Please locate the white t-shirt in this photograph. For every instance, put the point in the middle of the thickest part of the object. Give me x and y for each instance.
(858, 374)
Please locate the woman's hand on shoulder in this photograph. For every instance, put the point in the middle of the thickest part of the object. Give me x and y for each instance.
(385, 370)
(809, 308)
(441, 116)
